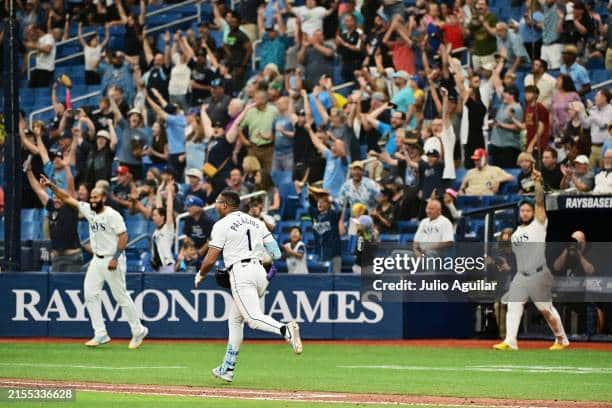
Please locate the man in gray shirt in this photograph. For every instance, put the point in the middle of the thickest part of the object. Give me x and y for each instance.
(552, 26)
(317, 58)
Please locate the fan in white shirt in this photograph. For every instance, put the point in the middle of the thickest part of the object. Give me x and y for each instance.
(603, 179)
(310, 16)
(435, 232)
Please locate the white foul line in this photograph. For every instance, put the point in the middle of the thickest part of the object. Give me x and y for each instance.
(92, 367)
(492, 368)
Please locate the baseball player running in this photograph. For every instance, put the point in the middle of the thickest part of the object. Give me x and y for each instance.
(533, 279)
(239, 236)
(108, 238)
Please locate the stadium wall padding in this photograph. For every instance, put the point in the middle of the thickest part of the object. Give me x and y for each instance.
(326, 306)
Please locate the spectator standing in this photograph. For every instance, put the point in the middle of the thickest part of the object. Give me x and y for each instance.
(551, 171)
(43, 44)
(349, 45)
(505, 137)
(577, 72)
(598, 120)
(482, 27)
(311, 16)
(316, 57)
(92, 53)
(259, 123)
(476, 113)
(123, 188)
(603, 179)
(180, 74)
(162, 258)
(100, 157)
(358, 189)
(116, 72)
(526, 182)
(217, 103)
(197, 224)
(66, 253)
(238, 50)
(551, 33)
(384, 213)
(284, 134)
(335, 161)
(326, 227)
(196, 186)
(401, 48)
(563, 97)
(134, 136)
(435, 233)
(274, 41)
(175, 129)
(530, 28)
(483, 179)
(536, 121)
(295, 252)
(545, 82)
(511, 47)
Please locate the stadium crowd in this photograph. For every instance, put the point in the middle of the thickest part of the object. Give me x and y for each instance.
(433, 111)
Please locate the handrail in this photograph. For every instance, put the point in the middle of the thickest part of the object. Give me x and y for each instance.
(50, 107)
(601, 84)
(172, 23)
(90, 33)
(178, 238)
(138, 239)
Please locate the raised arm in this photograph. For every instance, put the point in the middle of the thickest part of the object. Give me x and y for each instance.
(540, 205)
(158, 110)
(317, 143)
(232, 132)
(113, 135)
(142, 15)
(148, 52)
(445, 114)
(121, 11)
(80, 35)
(42, 149)
(59, 193)
(36, 187)
(170, 193)
(106, 36)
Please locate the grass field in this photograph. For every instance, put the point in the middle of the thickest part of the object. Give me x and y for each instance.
(535, 374)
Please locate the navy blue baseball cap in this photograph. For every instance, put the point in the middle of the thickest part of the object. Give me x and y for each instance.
(192, 201)
(526, 200)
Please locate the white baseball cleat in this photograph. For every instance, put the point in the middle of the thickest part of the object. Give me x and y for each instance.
(98, 341)
(293, 337)
(228, 375)
(137, 340)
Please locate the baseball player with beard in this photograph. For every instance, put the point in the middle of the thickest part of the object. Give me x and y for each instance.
(240, 238)
(533, 279)
(108, 238)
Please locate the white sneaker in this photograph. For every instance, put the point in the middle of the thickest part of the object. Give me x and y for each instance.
(137, 340)
(98, 341)
(293, 337)
(225, 376)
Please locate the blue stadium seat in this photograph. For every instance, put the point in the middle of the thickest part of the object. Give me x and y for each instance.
(319, 267)
(407, 226)
(83, 230)
(406, 238)
(466, 201)
(289, 207)
(389, 237)
(459, 175)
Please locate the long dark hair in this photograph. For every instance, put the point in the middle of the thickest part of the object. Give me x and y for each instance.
(567, 84)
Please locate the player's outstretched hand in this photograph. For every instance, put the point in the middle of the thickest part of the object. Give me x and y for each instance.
(112, 265)
(198, 278)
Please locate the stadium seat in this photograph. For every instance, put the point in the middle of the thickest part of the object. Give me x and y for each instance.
(389, 238)
(407, 226)
(319, 267)
(466, 201)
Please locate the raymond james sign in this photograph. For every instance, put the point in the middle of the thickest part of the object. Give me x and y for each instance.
(37, 304)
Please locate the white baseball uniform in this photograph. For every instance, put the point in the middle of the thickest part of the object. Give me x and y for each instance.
(242, 238)
(533, 280)
(104, 231)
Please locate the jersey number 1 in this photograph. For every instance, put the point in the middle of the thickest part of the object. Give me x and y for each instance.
(249, 238)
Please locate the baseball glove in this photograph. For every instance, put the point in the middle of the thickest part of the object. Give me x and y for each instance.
(222, 278)
(65, 80)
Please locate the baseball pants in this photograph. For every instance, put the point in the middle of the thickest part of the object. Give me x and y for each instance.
(97, 274)
(536, 287)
